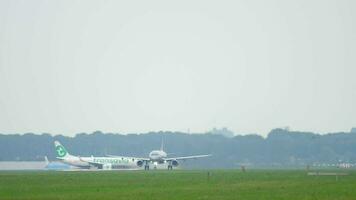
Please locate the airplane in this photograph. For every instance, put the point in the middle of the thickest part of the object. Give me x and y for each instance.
(160, 157)
(120, 162)
(106, 163)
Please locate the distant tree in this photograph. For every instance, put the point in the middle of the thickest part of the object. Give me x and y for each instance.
(280, 147)
(353, 130)
(223, 131)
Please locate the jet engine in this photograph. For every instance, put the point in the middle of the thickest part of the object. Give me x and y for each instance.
(139, 163)
(175, 163)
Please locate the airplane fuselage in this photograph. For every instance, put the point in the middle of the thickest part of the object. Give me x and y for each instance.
(157, 156)
(107, 162)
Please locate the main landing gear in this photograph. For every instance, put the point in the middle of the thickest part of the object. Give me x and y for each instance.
(147, 166)
(170, 166)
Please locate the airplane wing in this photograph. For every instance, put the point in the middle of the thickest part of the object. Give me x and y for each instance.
(136, 158)
(187, 157)
(113, 156)
(95, 164)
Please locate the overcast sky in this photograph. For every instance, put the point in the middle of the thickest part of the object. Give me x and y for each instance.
(139, 66)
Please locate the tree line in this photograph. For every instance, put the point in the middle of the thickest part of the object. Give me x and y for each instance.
(280, 148)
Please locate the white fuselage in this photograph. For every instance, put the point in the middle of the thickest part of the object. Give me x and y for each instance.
(107, 162)
(75, 161)
(157, 156)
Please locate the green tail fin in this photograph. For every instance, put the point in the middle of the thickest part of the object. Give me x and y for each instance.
(61, 151)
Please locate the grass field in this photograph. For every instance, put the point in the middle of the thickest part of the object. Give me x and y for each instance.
(180, 184)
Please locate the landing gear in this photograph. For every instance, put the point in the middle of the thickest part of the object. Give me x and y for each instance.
(147, 166)
(170, 166)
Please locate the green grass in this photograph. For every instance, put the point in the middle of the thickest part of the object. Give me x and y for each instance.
(180, 184)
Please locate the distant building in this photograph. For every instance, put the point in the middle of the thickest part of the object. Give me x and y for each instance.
(353, 130)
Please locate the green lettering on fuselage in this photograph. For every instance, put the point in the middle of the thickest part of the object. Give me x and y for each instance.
(113, 161)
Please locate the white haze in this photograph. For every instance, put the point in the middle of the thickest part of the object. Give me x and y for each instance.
(135, 66)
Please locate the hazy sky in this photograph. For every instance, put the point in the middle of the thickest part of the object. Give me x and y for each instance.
(138, 66)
